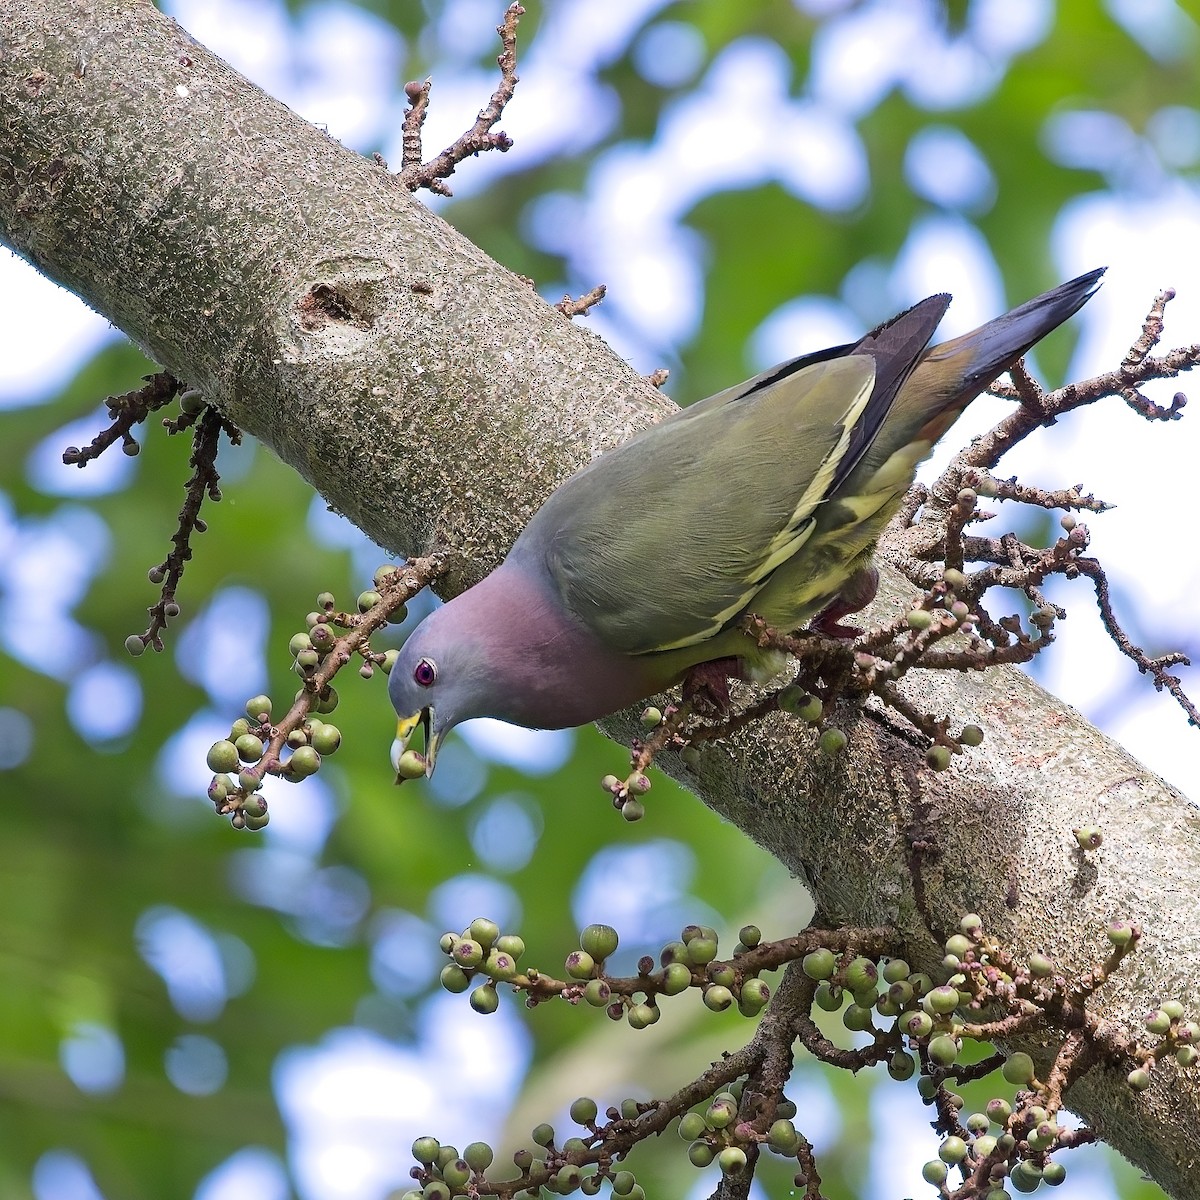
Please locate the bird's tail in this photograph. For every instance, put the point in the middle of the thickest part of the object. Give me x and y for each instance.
(950, 375)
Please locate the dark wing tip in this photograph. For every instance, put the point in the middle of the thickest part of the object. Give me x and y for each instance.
(921, 313)
(995, 346)
(1074, 293)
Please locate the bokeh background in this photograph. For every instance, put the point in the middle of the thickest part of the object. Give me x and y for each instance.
(186, 1011)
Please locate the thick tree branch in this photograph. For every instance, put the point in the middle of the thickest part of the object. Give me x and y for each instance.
(317, 304)
(435, 400)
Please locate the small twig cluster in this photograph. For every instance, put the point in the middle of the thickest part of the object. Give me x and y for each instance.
(415, 174)
(949, 627)
(131, 409)
(581, 307)
(203, 484)
(916, 545)
(127, 410)
(256, 745)
(737, 1108)
(742, 1108)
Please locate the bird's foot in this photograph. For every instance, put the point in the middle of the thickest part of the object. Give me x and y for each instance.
(856, 593)
(827, 624)
(706, 685)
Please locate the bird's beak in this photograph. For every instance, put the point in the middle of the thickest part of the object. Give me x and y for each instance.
(407, 726)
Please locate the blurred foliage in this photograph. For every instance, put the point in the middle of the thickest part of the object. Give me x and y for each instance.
(98, 832)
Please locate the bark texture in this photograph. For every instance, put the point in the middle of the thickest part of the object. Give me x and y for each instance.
(431, 396)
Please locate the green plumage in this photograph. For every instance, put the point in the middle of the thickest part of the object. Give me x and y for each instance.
(608, 554)
(766, 498)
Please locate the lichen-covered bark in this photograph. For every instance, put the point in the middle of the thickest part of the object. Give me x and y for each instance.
(323, 308)
(428, 393)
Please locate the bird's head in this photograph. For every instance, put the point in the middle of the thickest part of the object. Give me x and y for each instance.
(431, 685)
(420, 687)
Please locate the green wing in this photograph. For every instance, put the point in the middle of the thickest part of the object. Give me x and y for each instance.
(662, 541)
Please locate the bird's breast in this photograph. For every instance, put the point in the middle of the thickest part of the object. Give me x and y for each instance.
(545, 668)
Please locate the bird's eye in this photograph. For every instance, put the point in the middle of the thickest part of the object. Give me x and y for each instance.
(425, 672)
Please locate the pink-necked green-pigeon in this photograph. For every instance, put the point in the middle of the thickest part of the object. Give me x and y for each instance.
(766, 498)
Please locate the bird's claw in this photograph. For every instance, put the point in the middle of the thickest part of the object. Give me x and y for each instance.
(706, 686)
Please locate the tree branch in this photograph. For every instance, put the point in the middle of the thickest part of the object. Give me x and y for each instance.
(435, 400)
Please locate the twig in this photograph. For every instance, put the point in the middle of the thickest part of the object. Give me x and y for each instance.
(415, 174)
(1040, 408)
(1152, 331)
(580, 307)
(1010, 489)
(127, 410)
(1156, 668)
(202, 485)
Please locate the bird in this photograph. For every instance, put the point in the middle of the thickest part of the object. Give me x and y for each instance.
(766, 498)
